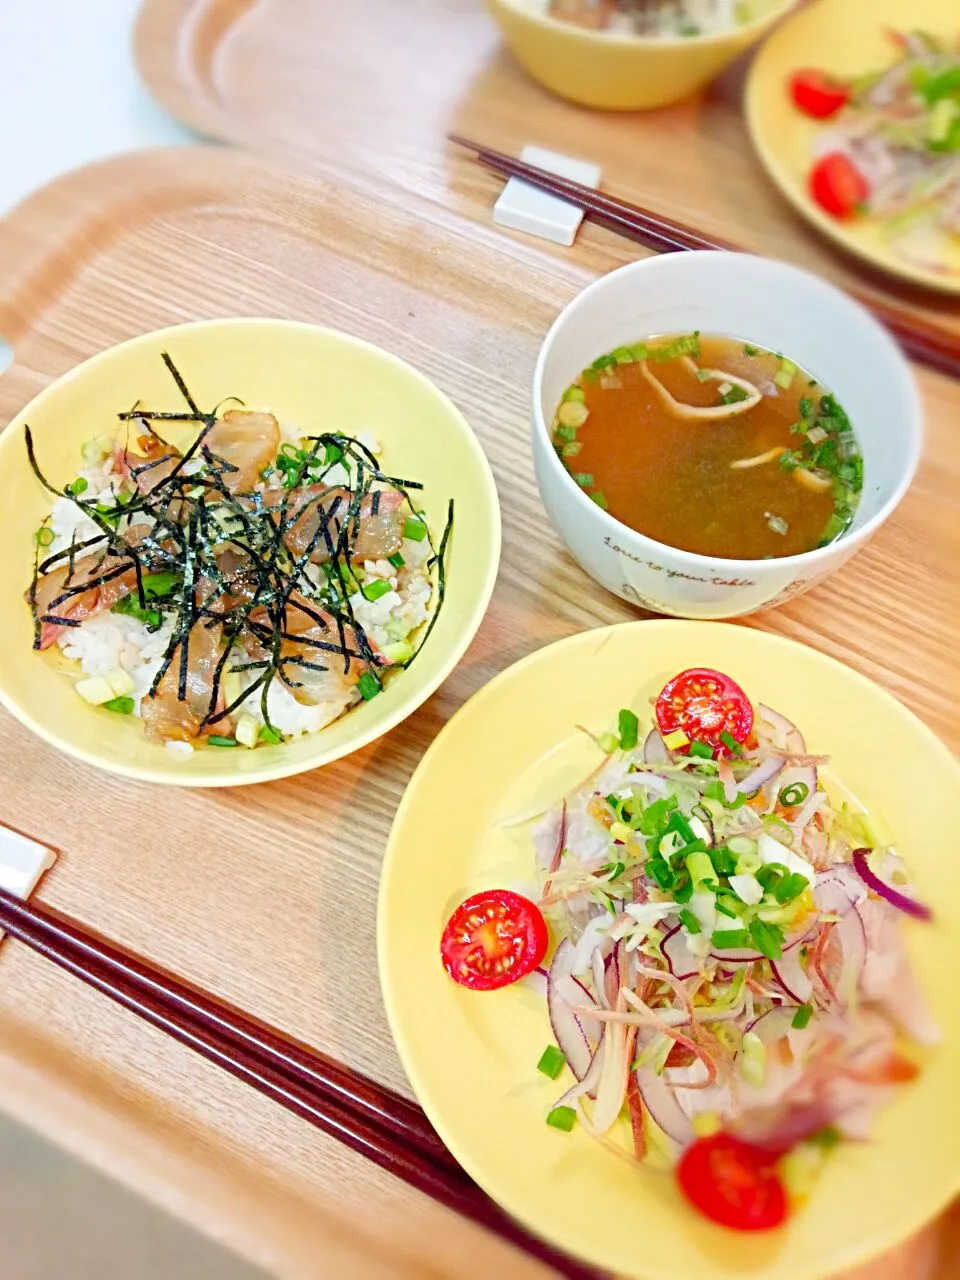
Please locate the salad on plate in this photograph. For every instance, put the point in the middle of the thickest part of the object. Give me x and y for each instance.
(729, 991)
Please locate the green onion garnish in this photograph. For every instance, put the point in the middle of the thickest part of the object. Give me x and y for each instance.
(657, 868)
(122, 706)
(748, 350)
(551, 1061)
(700, 867)
(827, 1137)
(562, 1118)
(375, 589)
(714, 791)
(794, 794)
(270, 735)
(599, 499)
(216, 741)
(679, 823)
(730, 939)
(566, 434)
(414, 528)
(629, 729)
(368, 686)
(396, 560)
(790, 888)
(572, 449)
(702, 750)
(729, 907)
(802, 1016)
(767, 938)
(724, 862)
(682, 888)
(583, 478)
(730, 742)
(78, 486)
(689, 921)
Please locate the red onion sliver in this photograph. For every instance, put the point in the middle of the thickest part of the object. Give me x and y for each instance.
(661, 1102)
(680, 959)
(873, 882)
(655, 749)
(788, 971)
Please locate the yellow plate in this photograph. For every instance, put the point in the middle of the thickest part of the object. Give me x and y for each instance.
(471, 1057)
(845, 37)
(314, 377)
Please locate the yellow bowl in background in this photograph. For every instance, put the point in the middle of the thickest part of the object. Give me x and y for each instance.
(623, 72)
(318, 378)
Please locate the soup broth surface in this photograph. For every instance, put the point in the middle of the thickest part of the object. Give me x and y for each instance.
(770, 478)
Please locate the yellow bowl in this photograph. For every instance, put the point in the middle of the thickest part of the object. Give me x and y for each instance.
(623, 72)
(314, 377)
(471, 1057)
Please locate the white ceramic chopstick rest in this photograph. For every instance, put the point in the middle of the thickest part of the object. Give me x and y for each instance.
(22, 863)
(524, 208)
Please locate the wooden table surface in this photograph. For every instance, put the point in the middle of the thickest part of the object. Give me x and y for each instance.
(267, 894)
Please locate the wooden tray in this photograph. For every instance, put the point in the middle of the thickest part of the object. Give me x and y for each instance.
(267, 894)
(369, 90)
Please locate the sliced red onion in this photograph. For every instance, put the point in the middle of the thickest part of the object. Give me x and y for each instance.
(590, 1080)
(780, 1128)
(563, 992)
(836, 890)
(760, 776)
(786, 731)
(746, 955)
(852, 936)
(774, 1024)
(680, 959)
(655, 750)
(661, 1102)
(536, 979)
(599, 979)
(614, 973)
(896, 899)
(789, 972)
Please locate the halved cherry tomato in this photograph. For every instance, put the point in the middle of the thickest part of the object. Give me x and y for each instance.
(733, 1183)
(493, 939)
(817, 94)
(705, 703)
(837, 185)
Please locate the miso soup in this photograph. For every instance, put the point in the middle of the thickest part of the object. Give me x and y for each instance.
(712, 445)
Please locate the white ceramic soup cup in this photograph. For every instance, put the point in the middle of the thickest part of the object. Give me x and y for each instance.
(771, 304)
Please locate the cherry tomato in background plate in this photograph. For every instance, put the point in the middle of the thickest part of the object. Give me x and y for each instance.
(732, 1183)
(705, 704)
(493, 939)
(837, 185)
(818, 94)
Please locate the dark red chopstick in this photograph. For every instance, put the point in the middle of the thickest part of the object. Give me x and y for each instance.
(922, 340)
(372, 1120)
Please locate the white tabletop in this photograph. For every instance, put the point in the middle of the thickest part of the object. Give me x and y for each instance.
(70, 92)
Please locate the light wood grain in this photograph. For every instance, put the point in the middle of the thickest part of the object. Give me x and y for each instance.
(267, 895)
(369, 91)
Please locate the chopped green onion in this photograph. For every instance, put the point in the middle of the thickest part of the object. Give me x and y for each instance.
(375, 589)
(396, 560)
(551, 1061)
(122, 706)
(368, 686)
(608, 743)
(583, 478)
(790, 888)
(724, 862)
(729, 906)
(78, 486)
(777, 524)
(628, 725)
(748, 350)
(44, 536)
(688, 344)
(599, 499)
(715, 791)
(701, 750)
(730, 742)
(270, 735)
(730, 939)
(658, 870)
(623, 355)
(215, 740)
(689, 921)
(680, 824)
(414, 528)
(793, 794)
(700, 867)
(734, 395)
(827, 1137)
(571, 450)
(682, 888)
(767, 938)
(603, 362)
(567, 434)
(562, 1118)
(574, 393)
(802, 1016)
(703, 375)
(786, 374)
